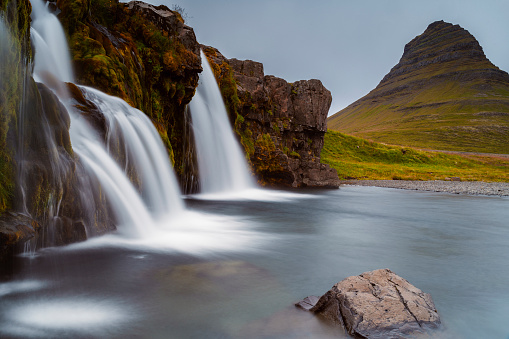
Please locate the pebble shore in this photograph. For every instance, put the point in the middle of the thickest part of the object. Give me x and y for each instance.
(456, 187)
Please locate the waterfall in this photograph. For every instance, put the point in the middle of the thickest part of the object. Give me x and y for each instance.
(15, 70)
(221, 163)
(145, 151)
(136, 208)
(54, 58)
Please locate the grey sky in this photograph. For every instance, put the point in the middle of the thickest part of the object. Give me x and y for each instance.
(348, 45)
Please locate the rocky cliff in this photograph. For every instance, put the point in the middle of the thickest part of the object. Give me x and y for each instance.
(143, 54)
(443, 94)
(147, 56)
(281, 125)
(150, 58)
(41, 178)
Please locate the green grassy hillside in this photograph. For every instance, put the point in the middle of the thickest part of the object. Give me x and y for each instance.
(356, 158)
(443, 94)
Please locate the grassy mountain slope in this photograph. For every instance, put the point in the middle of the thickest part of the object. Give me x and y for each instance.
(356, 158)
(443, 94)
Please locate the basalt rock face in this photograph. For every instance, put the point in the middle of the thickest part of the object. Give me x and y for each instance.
(41, 185)
(53, 203)
(51, 178)
(15, 58)
(143, 54)
(443, 94)
(280, 125)
(377, 304)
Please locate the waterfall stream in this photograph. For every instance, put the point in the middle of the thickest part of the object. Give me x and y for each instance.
(136, 208)
(222, 165)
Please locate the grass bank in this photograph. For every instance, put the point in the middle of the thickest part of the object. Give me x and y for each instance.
(356, 158)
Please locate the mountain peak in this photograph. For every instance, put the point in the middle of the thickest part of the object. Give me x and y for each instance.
(442, 43)
(443, 94)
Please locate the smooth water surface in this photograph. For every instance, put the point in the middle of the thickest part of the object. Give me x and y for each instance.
(233, 269)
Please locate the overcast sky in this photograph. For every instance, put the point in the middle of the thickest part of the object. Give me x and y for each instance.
(348, 45)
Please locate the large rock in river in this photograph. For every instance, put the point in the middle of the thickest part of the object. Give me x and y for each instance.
(377, 304)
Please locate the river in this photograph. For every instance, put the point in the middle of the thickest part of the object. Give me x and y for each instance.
(234, 268)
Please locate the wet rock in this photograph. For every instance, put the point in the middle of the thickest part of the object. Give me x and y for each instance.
(308, 302)
(51, 180)
(15, 230)
(377, 304)
(89, 110)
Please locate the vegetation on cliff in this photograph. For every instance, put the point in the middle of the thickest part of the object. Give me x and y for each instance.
(443, 94)
(15, 56)
(356, 158)
(140, 53)
(279, 124)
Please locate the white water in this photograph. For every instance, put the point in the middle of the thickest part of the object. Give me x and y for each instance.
(136, 213)
(145, 151)
(55, 58)
(222, 165)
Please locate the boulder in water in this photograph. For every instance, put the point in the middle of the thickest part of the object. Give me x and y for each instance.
(376, 304)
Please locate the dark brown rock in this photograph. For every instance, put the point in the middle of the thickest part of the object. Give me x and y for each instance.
(51, 182)
(281, 125)
(15, 230)
(377, 304)
(89, 110)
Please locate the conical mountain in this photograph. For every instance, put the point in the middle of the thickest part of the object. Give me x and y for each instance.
(443, 94)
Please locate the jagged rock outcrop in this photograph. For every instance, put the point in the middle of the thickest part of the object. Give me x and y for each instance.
(376, 304)
(281, 125)
(433, 97)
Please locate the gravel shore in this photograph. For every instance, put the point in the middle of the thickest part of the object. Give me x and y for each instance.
(457, 187)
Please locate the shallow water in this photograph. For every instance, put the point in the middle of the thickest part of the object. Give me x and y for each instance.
(233, 269)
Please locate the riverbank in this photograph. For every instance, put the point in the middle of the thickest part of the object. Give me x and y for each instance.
(456, 187)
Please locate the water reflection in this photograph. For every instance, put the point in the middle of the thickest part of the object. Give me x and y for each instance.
(233, 269)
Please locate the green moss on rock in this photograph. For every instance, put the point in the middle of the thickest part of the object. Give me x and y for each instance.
(131, 51)
(15, 55)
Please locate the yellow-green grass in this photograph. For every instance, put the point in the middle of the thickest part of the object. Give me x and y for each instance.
(356, 158)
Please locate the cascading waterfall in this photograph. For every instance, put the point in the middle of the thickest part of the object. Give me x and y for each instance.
(221, 163)
(144, 149)
(54, 58)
